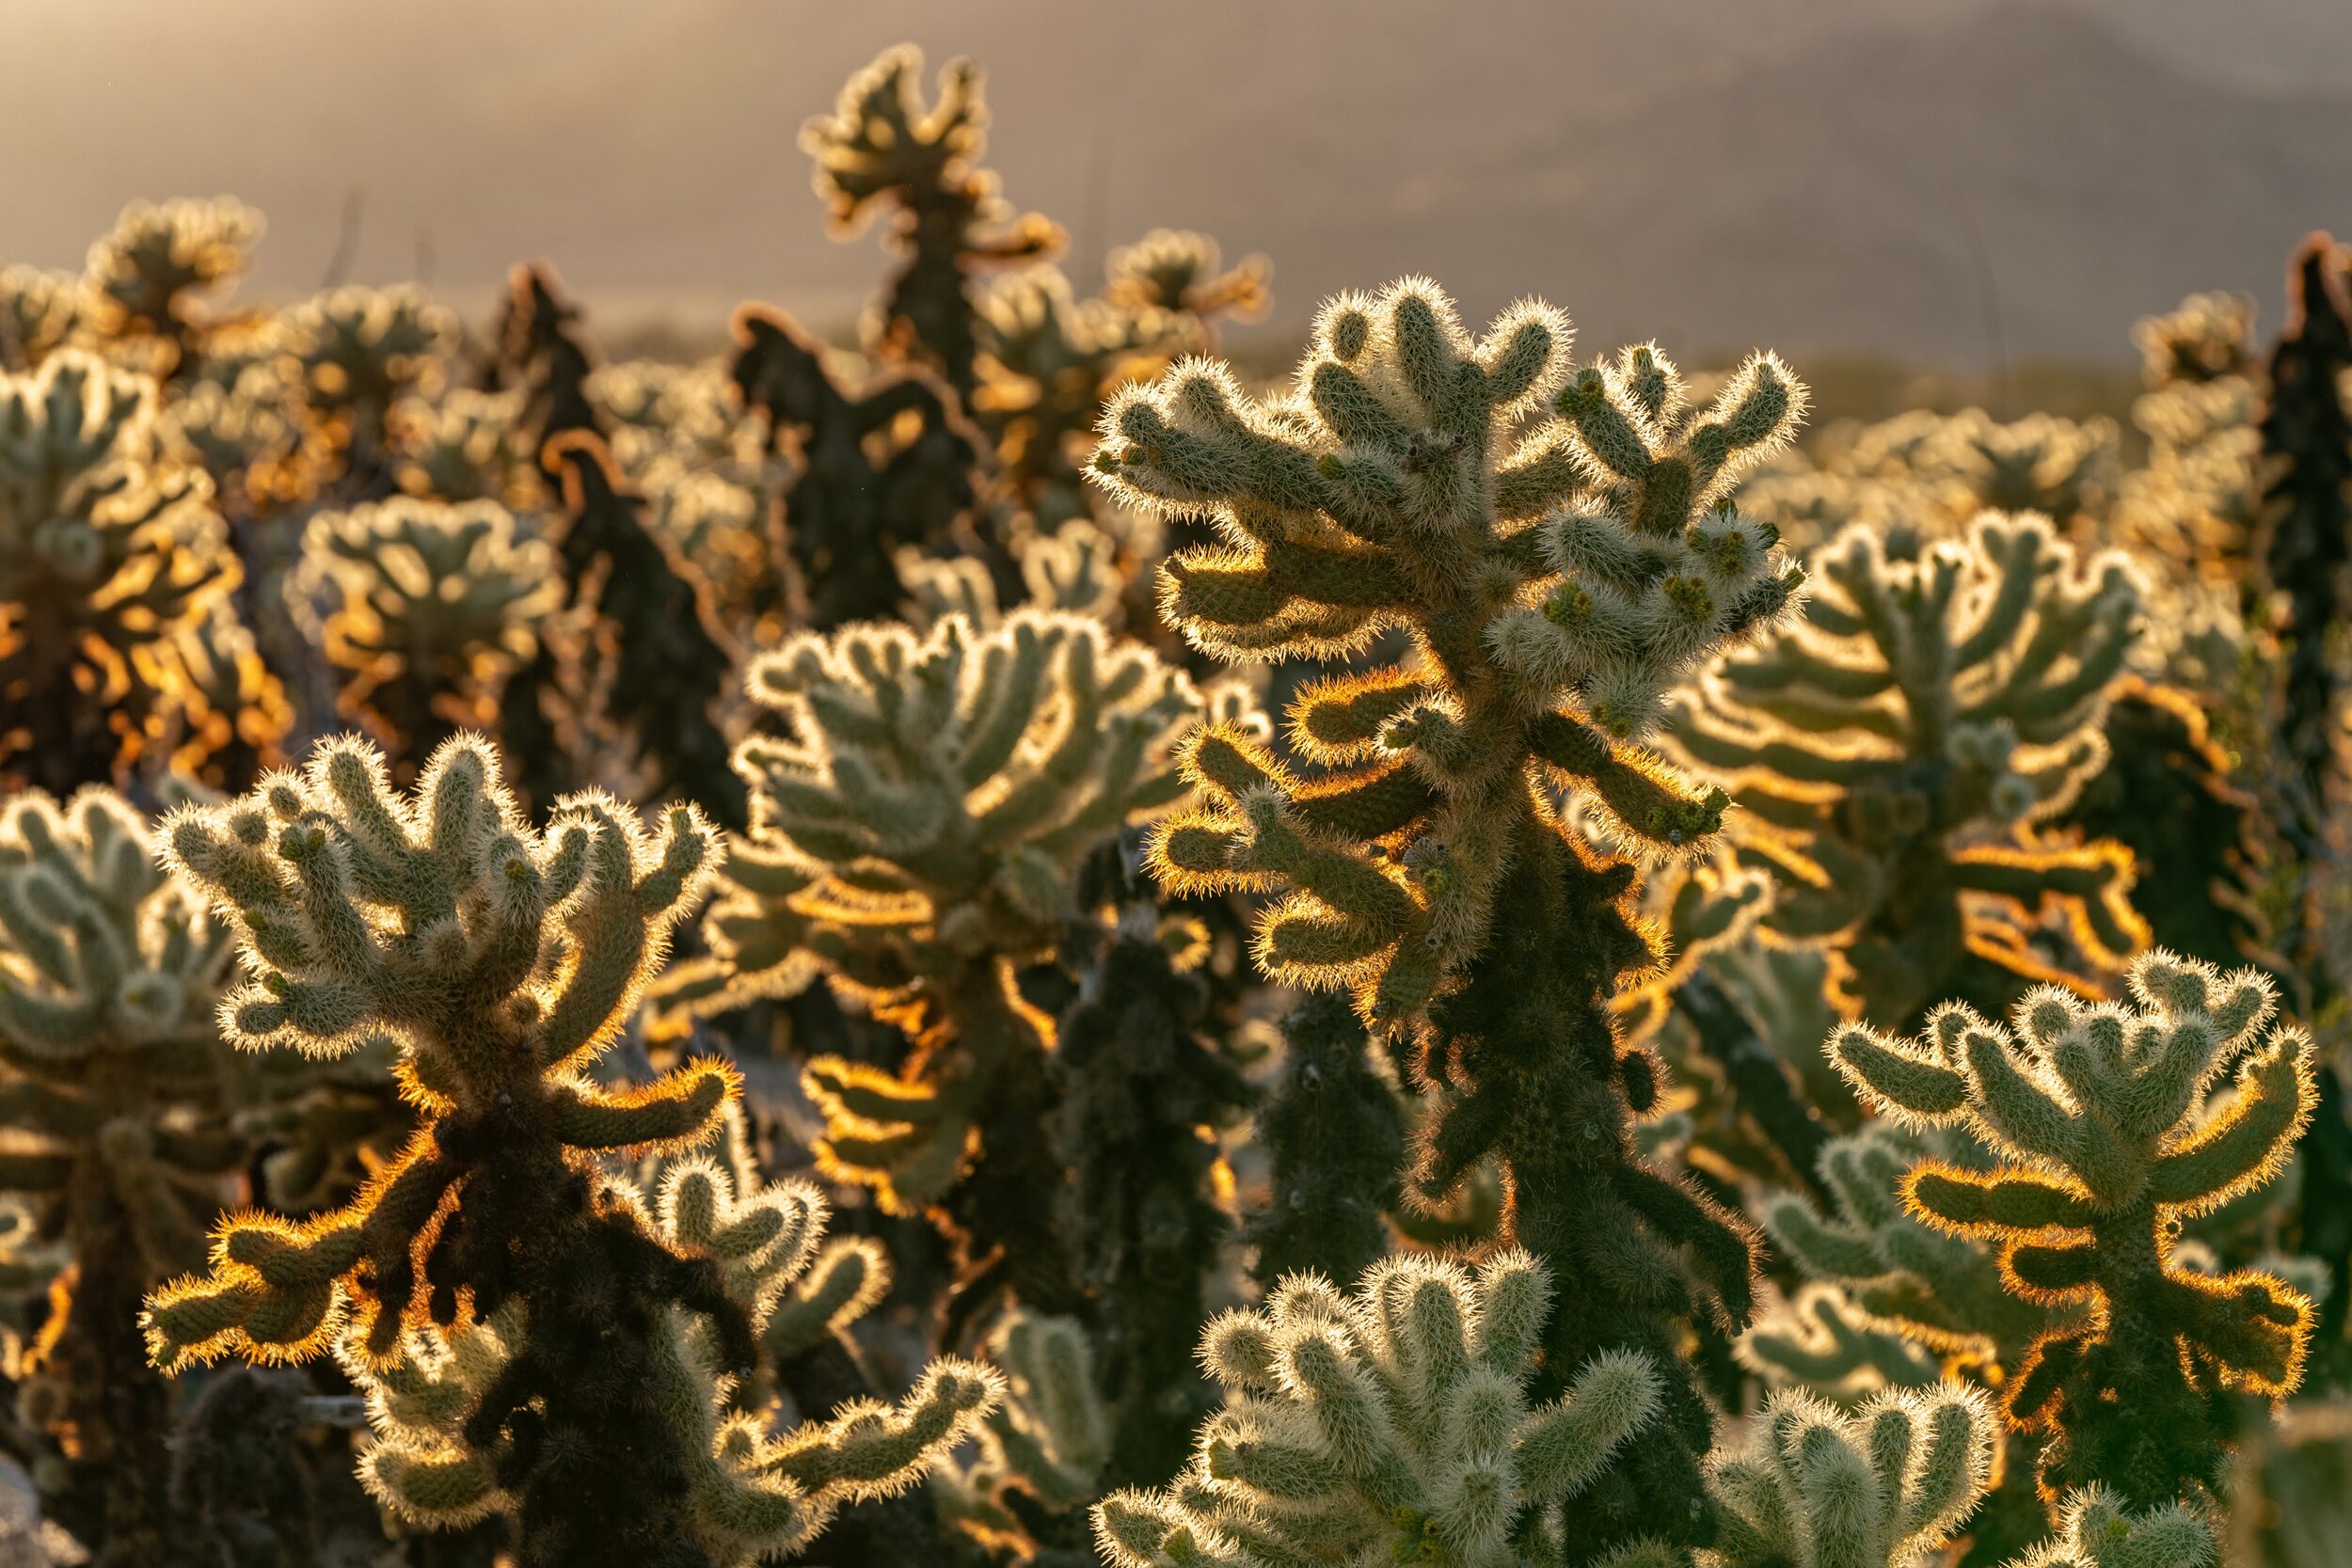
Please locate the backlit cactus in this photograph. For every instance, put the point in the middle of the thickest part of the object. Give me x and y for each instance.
(501, 960)
(2098, 1529)
(1178, 270)
(110, 550)
(143, 276)
(1821, 1343)
(39, 311)
(913, 841)
(1895, 751)
(1945, 1292)
(881, 150)
(1879, 1487)
(423, 607)
(2111, 1125)
(117, 1109)
(1049, 361)
(1555, 585)
(361, 351)
(1555, 576)
(1048, 1440)
(1396, 1423)
(751, 1492)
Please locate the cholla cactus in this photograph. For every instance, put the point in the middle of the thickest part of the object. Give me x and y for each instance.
(2168, 794)
(1075, 571)
(1555, 581)
(851, 506)
(1334, 1137)
(664, 667)
(2098, 1529)
(118, 1113)
(109, 551)
(913, 842)
(542, 354)
(1936, 472)
(881, 146)
(1393, 1424)
(1145, 1093)
(751, 1492)
(2194, 502)
(1183, 272)
(1049, 361)
(1050, 1438)
(2302, 545)
(1895, 749)
(1585, 568)
(1880, 1487)
(423, 608)
(1821, 1343)
(464, 446)
(142, 274)
(2057, 467)
(501, 960)
(2109, 1131)
(1943, 1290)
(2206, 338)
(361, 351)
(39, 311)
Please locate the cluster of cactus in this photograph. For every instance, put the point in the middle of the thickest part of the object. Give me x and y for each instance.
(1935, 472)
(1539, 1105)
(112, 562)
(1399, 1423)
(459, 1282)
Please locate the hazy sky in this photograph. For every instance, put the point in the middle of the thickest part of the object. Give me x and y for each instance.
(649, 148)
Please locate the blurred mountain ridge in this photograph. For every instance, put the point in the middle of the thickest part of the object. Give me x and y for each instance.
(1950, 181)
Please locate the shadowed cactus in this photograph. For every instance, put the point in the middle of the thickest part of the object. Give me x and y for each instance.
(1395, 1423)
(2303, 543)
(1334, 1135)
(1879, 1487)
(881, 150)
(886, 469)
(2109, 1126)
(1895, 751)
